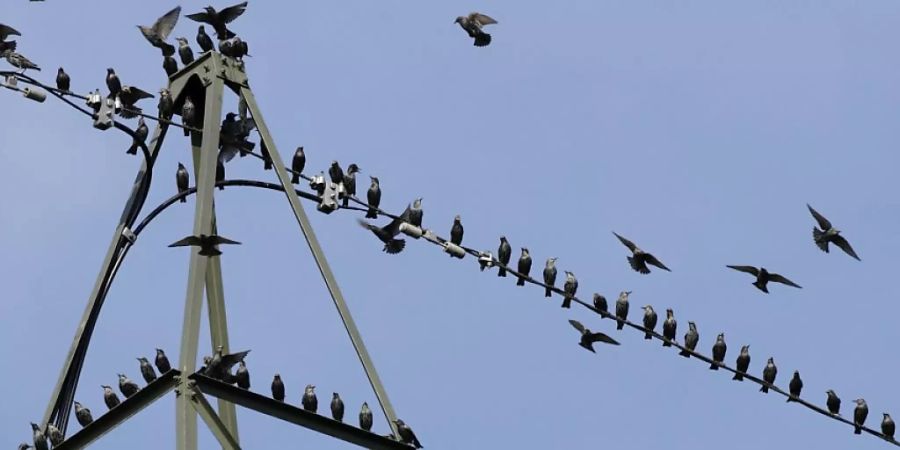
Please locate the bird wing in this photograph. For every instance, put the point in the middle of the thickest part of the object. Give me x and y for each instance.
(578, 326)
(601, 337)
(232, 12)
(366, 225)
(626, 242)
(650, 259)
(190, 240)
(481, 19)
(200, 17)
(224, 240)
(164, 25)
(6, 30)
(233, 358)
(823, 222)
(749, 269)
(136, 93)
(780, 279)
(845, 246)
(394, 227)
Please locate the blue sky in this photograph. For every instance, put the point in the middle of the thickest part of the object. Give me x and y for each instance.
(699, 129)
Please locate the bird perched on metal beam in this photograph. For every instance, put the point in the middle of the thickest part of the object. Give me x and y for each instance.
(83, 415)
(309, 401)
(763, 277)
(219, 366)
(829, 233)
(473, 24)
(162, 361)
(128, 387)
(406, 434)
(184, 51)
(206, 243)
(157, 33)
(203, 40)
(588, 337)
(147, 370)
(219, 19)
(277, 388)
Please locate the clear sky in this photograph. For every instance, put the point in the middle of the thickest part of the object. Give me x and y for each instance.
(698, 129)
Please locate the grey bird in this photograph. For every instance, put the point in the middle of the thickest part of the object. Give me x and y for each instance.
(763, 277)
(226, 47)
(859, 415)
(350, 183)
(310, 402)
(170, 65)
(365, 417)
(110, 397)
(19, 61)
(769, 374)
(182, 181)
(795, 386)
(588, 337)
(473, 24)
(388, 233)
(5, 32)
(649, 321)
(207, 243)
(298, 164)
(456, 231)
(691, 339)
(524, 267)
(56, 436)
(233, 135)
(504, 253)
(670, 327)
(239, 48)
(336, 173)
(406, 434)
(219, 19)
(622, 309)
(188, 115)
(140, 137)
(40, 439)
(833, 402)
(128, 97)
(242, 375)
(570, 287)
(888, 427)
(416, 213)
(113, 83)
(63, 81)
(203, 40)
(278, 388)
(219, 366)
(718, 351)
(147, 371)
(184, 51)
(83, 415)
(828, 233)
(743, 363)
(639, 258)
(157, 33)
(162, 361)
(374, 198)
(600, 303)
(127, 387)
(337, 407)
(166, 104)
(549, 276)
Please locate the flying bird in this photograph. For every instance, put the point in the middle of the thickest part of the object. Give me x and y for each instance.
(769, 374)
(833, 402)
(365, 417)
(588, 337)
(184, 51)
(128, 387)
(203, 40)
(337, 407)
(622, 309)
(147, 371)
(795, 386)
(63, 82)
(669, 328)
(743, 363)
(549, 276)
(473, 24)
(278, 388)
(182, 180)
(157, 33)
(829, 233)
(162, 362)
(206, 243)
(639, 258)
(219, 19)
(310, 402)
(718, 351)
(504, 252)
(763, 277)
(456, 231)
(524, 267)
(406, 434)
(298, 164)
(5, 32)
(569, 288)
(387, 233)
(83, 415)
(859, 415)
(649, 321)
(19, 61)
(140, 137)
(374, 197)
(691, 339)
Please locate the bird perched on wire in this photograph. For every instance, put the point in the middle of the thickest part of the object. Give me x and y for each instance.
(350, 183)
(128, 96)
(669, 328)
(718, 351)
(140, 137)
(219, 19)
(649, 321)
(549, 276)
(570, 287)
(188, 115)
(309, 400)
(622, 309)
(337, 407)
(833, 402)
(170, 65)
(203, 40)
(763, 277)
(277, 388)
(639, 258)
(888, 427)
(859, 415)
(184, 51)
(416, 213)
(387, 233)
(588, 337)
(504, 253)
(691, 339)
(406, 434)
(769, 374)
(113, 83)
(457, 231)
(600, 302)
(147, 371)
(473, 24)
(297, 164)
(374, 198)
(795, 386)
(336, 173)
(524, 267)
(40, 439)
(5, 32)
(166, 104)
(157, 33)
(83, 415)
(182, 180)
(63, 81)
(742, 363)
(365, 417)
(207, 244)
(829, 233)
(19, 61)
(128, 387)
(162, 361)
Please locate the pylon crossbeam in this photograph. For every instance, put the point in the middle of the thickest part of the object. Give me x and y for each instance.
(212, 420)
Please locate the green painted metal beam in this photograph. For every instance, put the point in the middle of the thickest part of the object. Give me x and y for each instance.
(216, 425)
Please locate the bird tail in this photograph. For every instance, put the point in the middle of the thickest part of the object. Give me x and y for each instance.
(346, 201)
(395, 246)
(186, 131)
(133, 149)
(790, 398)
(817, 238)
(296, 178)
(761, 286)
(520, 281)
(764, 389)
(547, 292)
(183, 200)
(667, 343)
(210, 252)
(738, 377)
(648, 336)
(684, 353)
(501, 272)
(167, 49)
(371, 213)
(857, 429)
(482, 39)
(567, 302)
(714, 366)
(620, 325)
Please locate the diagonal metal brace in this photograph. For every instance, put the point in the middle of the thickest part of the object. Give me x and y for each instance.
(212, 420)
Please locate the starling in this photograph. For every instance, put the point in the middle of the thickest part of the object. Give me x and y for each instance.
(278, 388)
(350, 183)
(182, 180)
(859, 415)
(828, 234)
(203, 40)
(336, 173)
(639, 258)
(63, 82)
(162, 362)
(888, 427)
(226, 47)
(239, 48)
(157, 34)
(297, 164)
(110, 397)
(718, 351)
(242, 375)
(569, 289)
(588, 337)
(472, 24)
(19, 61)
(188, 115)
(83, 415)
(416, 213)
(337, 408)
(649, 321)
(406, 434)
(140, 137)
(267, 158)
(386, 234)
(219, 366)
(56, 436)
(219, 19)
(208, 245)
(170, 65)
(128, 387)
(743, 363)
(374, 197)
(769, 374)
(113, 83)
(5, 32)
(600, 303)
(128, 96)
(365, 417)
(549, 276)
(504, 252)
(763, 277)
(524, 267)
(310, 402)
(833, 402)
(456, 231)
(795, 386)
(622, 309)
(166, 104)
(691, 338)
(220, 172)
(40, 440)
(184, 51)
(669, 328)
(147, 370)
